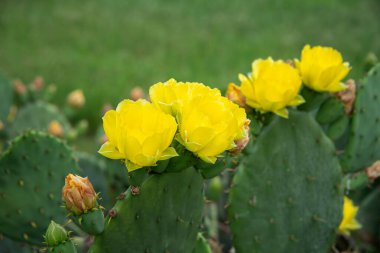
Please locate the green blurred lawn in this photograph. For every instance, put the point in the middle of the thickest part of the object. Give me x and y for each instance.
(107, 47)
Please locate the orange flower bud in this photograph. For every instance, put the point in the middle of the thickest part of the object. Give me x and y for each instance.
(76, 99)
(79, 194)
(38, 83)
(19, 87)
(55, 129)
(137, 93)
(234, 94)
(348, 95)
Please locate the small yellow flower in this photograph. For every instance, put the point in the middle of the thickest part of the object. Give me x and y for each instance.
(272, 86)
(349, 221)
(78, 194)
(172, 95)
(322, 68)
(139, 133)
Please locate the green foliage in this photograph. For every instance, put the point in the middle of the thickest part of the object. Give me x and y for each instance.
(38, 116)
(286, 195)
(32, 171)
(6, 98)
(363, 147)
(162, 215)
(10, 246)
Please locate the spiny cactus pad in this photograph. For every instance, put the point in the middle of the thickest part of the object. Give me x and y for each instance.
(6, 98)
(32, 171)
(364, 142)
(38, 116)
(164, 216)
(286, 196)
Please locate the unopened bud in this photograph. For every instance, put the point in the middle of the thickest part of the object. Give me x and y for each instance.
(38, 83)
(76, 99)
(79, 194)
(137, 93)
(347, 96)
(55, 234)
(235, 95)
(56, 129)
(373, 171)
(19, 87)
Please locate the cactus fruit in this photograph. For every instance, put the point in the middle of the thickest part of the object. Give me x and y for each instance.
(38, 116)
(202, 245)
(33, 171)
(6, 99)
(161, 215)
(286, 195)
(363, 146)
(58, 240)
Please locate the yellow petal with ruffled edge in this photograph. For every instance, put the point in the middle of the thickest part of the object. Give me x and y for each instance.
(109, 150)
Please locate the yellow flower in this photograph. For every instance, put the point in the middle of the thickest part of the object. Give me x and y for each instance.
(349, 221)
(172, 95)
(78, 194)
(322, 68)
(139, 133)
(272, 86)
(209, 125)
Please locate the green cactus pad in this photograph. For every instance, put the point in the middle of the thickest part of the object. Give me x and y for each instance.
(202, 245)
(32, 172)
(163, 217)
(287, 195)
(364, 142)
(10, 246)
(38, 116)
(6, 98)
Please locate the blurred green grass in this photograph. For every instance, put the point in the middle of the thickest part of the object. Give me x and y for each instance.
(107, 47)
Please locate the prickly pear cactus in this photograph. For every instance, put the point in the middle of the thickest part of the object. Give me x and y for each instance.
(38, 116)
(364, 142)
(286, 196)
(202, 245)
(10, 246)
(162, 215)
(32, 172)
(6, 98)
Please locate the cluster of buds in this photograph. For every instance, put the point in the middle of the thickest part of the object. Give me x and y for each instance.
(79, 194)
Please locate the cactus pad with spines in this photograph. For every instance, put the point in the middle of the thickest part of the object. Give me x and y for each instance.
(164, 216)
(286, 195)
(38, 116)
(364, 141)
(32, 171)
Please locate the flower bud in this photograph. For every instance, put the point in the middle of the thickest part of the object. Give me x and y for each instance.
(56, 129)
(347, 96)
(234, 94)
(76, 99)
(137, 93)
(78, 194)
(38, 83)
(19, 87)
(55, 234)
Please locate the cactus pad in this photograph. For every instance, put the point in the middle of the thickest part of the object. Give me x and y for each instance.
(6, 98)
(164, 216)
(38, 116)
(286, 196)
(32, 171)
(364, 142)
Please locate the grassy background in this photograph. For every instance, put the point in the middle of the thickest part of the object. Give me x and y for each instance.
(106, 47)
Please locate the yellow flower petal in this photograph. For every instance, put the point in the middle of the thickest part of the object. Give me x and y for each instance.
(109, 150)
